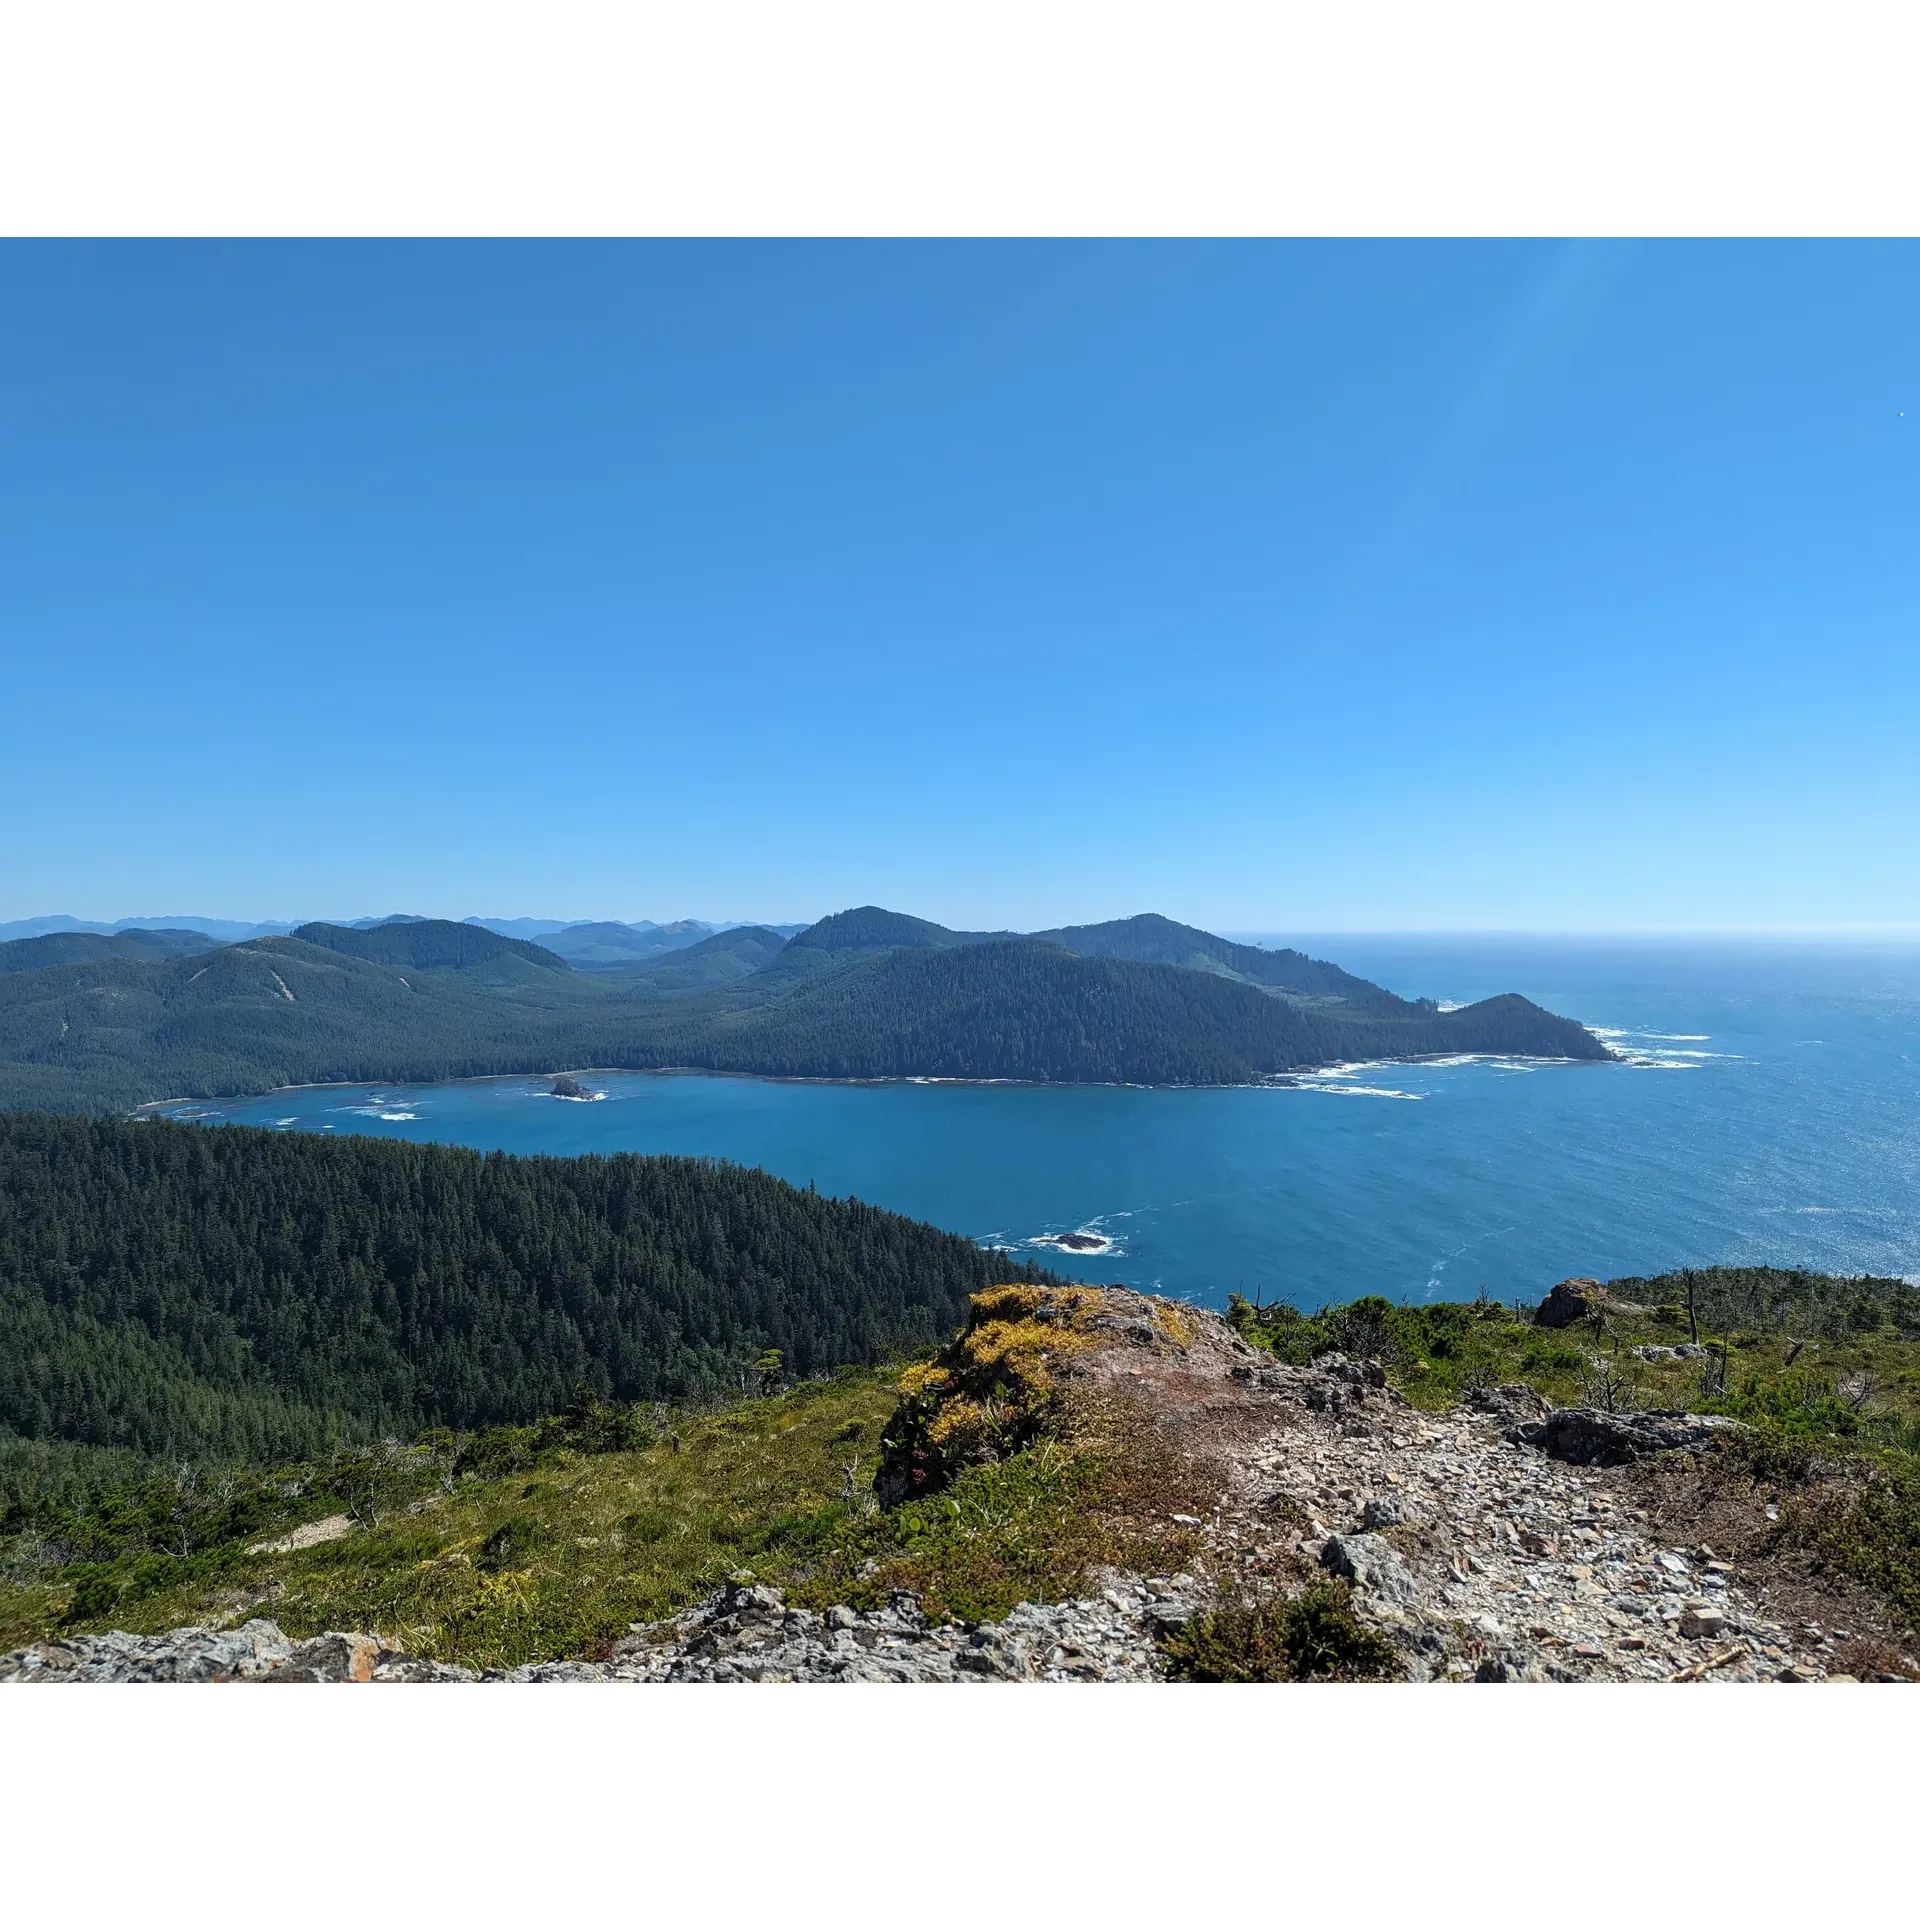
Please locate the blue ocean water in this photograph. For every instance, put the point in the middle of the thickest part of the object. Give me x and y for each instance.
(1769, 1111)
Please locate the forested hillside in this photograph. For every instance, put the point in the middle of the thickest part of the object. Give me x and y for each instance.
(863, 994)
(225, 1292)
(609, 945)
(874, 929)
(426, 945)
(271, 1013)
(719, 960)
(75, 949)
(1025, 1010)
(1153, 938)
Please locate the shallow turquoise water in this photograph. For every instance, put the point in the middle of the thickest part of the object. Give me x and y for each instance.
(1772, 1114)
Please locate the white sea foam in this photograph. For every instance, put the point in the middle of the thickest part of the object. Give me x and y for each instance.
(1635, 1048)
(1109, 1247)
(1336, 1079)
(1365, 1093)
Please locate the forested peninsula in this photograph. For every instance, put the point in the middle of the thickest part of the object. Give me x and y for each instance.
(101, 1027)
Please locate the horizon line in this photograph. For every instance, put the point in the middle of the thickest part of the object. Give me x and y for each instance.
(1872, 931)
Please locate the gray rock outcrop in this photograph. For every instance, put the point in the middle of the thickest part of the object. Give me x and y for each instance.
(1586, 1437)
(249, 1652)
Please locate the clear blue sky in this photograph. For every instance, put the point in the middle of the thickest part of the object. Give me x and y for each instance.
(1370, 587)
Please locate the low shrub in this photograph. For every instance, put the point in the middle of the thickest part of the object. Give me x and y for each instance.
(1310, 1635)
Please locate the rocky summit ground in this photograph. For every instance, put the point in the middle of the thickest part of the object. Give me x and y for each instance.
(1500, 1540)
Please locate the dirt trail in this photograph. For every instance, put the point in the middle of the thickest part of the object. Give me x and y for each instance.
(1478, 1554)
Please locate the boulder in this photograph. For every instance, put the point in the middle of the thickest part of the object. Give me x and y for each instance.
(1514, 1407)
(1370, 1563)
(1586, 1437)
(1571, 1300)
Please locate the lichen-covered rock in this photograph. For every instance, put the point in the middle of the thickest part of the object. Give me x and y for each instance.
(333, 1657)
(1369, 1562)
(748, 1633)
(250, 1652)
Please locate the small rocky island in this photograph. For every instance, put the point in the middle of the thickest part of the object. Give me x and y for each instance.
(566, 1087)
(1078, 1241)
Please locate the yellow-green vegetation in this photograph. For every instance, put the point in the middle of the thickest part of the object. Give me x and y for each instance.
(547, 1542)
(493, 1549)
(1094, 1486)
(988, 1394)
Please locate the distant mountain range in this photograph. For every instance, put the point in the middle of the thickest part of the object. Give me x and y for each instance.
(95, 1021)
(671, 933)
